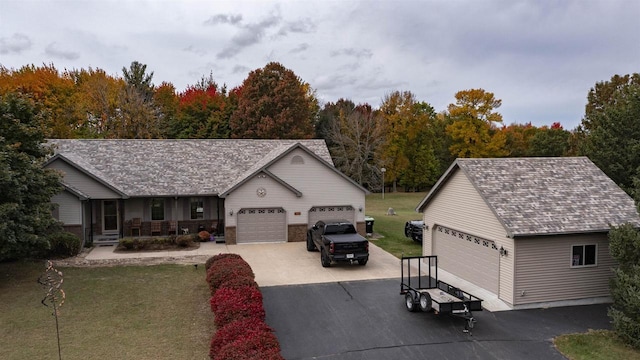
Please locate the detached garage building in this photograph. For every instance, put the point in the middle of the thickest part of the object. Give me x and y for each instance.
(533, 231)
(244, 191)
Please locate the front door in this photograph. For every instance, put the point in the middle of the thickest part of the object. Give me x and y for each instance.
(110, 216)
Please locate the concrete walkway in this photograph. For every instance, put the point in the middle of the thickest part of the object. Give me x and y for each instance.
(278, 264)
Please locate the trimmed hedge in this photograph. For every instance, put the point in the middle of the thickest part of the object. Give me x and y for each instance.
(233, 304)
(64, 244)
(264, 346)
(215, 258)
(237, 329)
(225, 269)
(236, 303)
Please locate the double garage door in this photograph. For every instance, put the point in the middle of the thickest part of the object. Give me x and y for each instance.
(469, 257)
(261, 225)
(331, 213)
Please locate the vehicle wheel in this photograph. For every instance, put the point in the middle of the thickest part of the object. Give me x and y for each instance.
(409, 302)
(324, 259)
(363, 262)
(310, 245)
(425, 302)
(407, 230)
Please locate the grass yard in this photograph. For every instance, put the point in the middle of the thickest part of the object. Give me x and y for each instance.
(128, 312)
(391, 227)
(595, 345)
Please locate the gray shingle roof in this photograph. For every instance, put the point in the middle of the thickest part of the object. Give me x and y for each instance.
(544, 196)
(176, 167)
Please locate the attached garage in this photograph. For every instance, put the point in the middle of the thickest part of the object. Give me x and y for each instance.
(262, 225)
(469, 257)
(318, 213)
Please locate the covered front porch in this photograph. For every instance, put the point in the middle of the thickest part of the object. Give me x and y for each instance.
(108, 220)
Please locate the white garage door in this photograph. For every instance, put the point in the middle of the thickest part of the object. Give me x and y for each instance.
(331, 213)
(261, 225)
(472, 258)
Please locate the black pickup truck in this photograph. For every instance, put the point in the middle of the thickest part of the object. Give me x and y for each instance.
(337, 240)
(413, 229)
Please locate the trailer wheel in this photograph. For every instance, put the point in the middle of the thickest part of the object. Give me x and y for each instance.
(409, 302)
(425, 302)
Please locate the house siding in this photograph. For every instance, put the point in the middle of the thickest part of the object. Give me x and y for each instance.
(319, 185)
(69, 208)
(82, 181)
(544, 272)
(457, 205)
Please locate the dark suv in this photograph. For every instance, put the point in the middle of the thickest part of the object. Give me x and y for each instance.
(413, 229)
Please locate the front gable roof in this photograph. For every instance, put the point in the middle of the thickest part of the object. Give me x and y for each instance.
(545, 196)
(191, 167)
(273, 157)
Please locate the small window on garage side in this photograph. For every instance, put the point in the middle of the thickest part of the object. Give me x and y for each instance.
(583, 255)
(197, 209)
(157, 209)
(297, 160)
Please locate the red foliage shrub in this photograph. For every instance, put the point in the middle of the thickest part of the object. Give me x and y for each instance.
(238, 282)
(234, 304)
(242, 328)
(263, 346)
(225, 269)
(215, 258)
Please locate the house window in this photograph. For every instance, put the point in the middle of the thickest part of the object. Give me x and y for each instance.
(583, 255)
(157, 209)
(197, 209)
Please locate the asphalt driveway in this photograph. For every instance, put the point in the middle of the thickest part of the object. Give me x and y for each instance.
(367, 320)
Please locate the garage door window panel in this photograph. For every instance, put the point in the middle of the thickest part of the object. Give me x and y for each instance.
(583, 255)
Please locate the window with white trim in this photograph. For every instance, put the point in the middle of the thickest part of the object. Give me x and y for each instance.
(197, 208)
(583, 255)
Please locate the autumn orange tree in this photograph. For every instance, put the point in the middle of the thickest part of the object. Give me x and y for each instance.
(473, 130)
(274, 103)
(54, 92)
(408, 152)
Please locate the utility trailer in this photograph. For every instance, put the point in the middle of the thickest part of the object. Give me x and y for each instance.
(425, 292)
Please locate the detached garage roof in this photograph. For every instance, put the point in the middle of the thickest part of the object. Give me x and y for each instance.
(137, 168)
(545, 196)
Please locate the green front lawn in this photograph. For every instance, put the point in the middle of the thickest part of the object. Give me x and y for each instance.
(391, 227)
(128, 312)
(595, 345)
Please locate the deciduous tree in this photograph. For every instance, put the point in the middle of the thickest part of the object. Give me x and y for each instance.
(550, 141)
(409, 151)
(355, 136)
(273, 103)
(473, 131)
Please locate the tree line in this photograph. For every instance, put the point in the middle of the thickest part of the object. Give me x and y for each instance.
(406, 136)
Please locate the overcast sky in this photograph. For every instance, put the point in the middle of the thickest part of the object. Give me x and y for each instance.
(540, 57)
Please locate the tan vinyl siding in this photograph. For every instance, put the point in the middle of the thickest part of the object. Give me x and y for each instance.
(83, 182)
(69, 208)
(319, 185)
(457, 205)
(544, 271)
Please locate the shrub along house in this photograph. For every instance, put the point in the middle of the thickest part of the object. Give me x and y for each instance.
(533, 231)
(244, 190)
